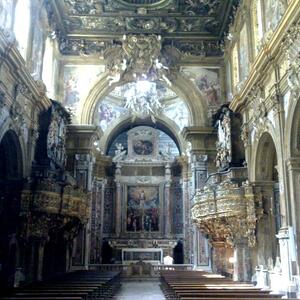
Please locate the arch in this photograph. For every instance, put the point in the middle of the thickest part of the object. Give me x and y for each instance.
(124, 123)
(11, 185)
(292, 136)
(11, 157)
(266, 159)
(9, 126)
(182, 86)
(266, 177)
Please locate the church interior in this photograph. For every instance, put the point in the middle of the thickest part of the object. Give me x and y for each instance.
(149, 140)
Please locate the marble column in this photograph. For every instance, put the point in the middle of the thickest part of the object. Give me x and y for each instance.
(118, 212)
(168, 217)
(242, 270)
(186, 210)
(218, 256)
(286, 244)
(87, 231)
(198, 178)
(101, 215)
(95, 221)
(31, 265)
(40, 250)
(199, 171)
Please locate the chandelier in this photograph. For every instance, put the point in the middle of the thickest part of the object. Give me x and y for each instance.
(142, 100)
(139, 60)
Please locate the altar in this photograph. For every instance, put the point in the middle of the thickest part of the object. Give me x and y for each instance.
(149, 255)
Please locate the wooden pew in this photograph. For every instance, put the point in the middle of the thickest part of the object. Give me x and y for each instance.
(191, 285)
(80, 285)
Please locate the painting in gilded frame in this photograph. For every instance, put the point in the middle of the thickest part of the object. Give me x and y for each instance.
(142, 209)
(142, 147)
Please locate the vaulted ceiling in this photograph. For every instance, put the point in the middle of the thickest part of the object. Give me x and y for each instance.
(193, 26)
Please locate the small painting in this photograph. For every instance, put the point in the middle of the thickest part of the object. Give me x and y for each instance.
(143, 147)
(78, 80)
(178, 112)
(107, 112)
(142, 209)
(208, 82)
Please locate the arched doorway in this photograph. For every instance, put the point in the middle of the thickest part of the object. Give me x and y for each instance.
(11, 174)
(266, 178)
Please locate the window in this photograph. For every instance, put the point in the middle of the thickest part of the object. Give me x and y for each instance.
(228, 81)
(6, 8)
(48, 68)
(235, 68)
(257, 25)
(22, 25)
(243, 54)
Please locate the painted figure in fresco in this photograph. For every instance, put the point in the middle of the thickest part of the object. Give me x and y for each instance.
(209, 88)
(106, 115)
(71, 90)
(5, 13)
(274, 11)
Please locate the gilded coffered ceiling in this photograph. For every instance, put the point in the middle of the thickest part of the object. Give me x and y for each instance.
(193, 26)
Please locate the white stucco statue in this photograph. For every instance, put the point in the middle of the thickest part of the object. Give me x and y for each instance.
(168, 260)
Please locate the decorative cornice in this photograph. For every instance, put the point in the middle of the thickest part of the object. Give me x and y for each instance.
(270, 51)
(10, 55)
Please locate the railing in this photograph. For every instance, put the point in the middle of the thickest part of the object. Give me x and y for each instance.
(234, 173)
(129, 270)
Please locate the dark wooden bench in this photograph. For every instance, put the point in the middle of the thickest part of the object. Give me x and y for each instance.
(80, 285)
(192, 285)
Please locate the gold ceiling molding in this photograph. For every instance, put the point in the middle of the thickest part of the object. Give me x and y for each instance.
(140, 57)
(88, 27)
(152, 4)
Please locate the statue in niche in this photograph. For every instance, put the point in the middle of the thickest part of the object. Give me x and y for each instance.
(178, 253)
(223, 123)
(106, 252)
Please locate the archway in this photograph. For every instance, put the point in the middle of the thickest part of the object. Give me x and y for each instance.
(11, 174)
(183, 87)
(266, 178)
(292, 140)
(126, 124)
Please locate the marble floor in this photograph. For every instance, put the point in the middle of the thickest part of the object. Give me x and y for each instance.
(140, 290)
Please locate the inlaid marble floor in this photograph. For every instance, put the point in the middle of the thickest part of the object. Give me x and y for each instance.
(140, 290)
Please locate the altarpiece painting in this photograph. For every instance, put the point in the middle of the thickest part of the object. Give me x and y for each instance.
(142, 208)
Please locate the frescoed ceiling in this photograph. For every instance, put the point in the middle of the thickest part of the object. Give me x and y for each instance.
(193, 26)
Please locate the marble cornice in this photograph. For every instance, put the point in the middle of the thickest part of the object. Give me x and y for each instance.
(83, 128)
(293, 163)
(205, 61)
(187, 132)
(144, 163)
(11, 56)
(267, 56)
